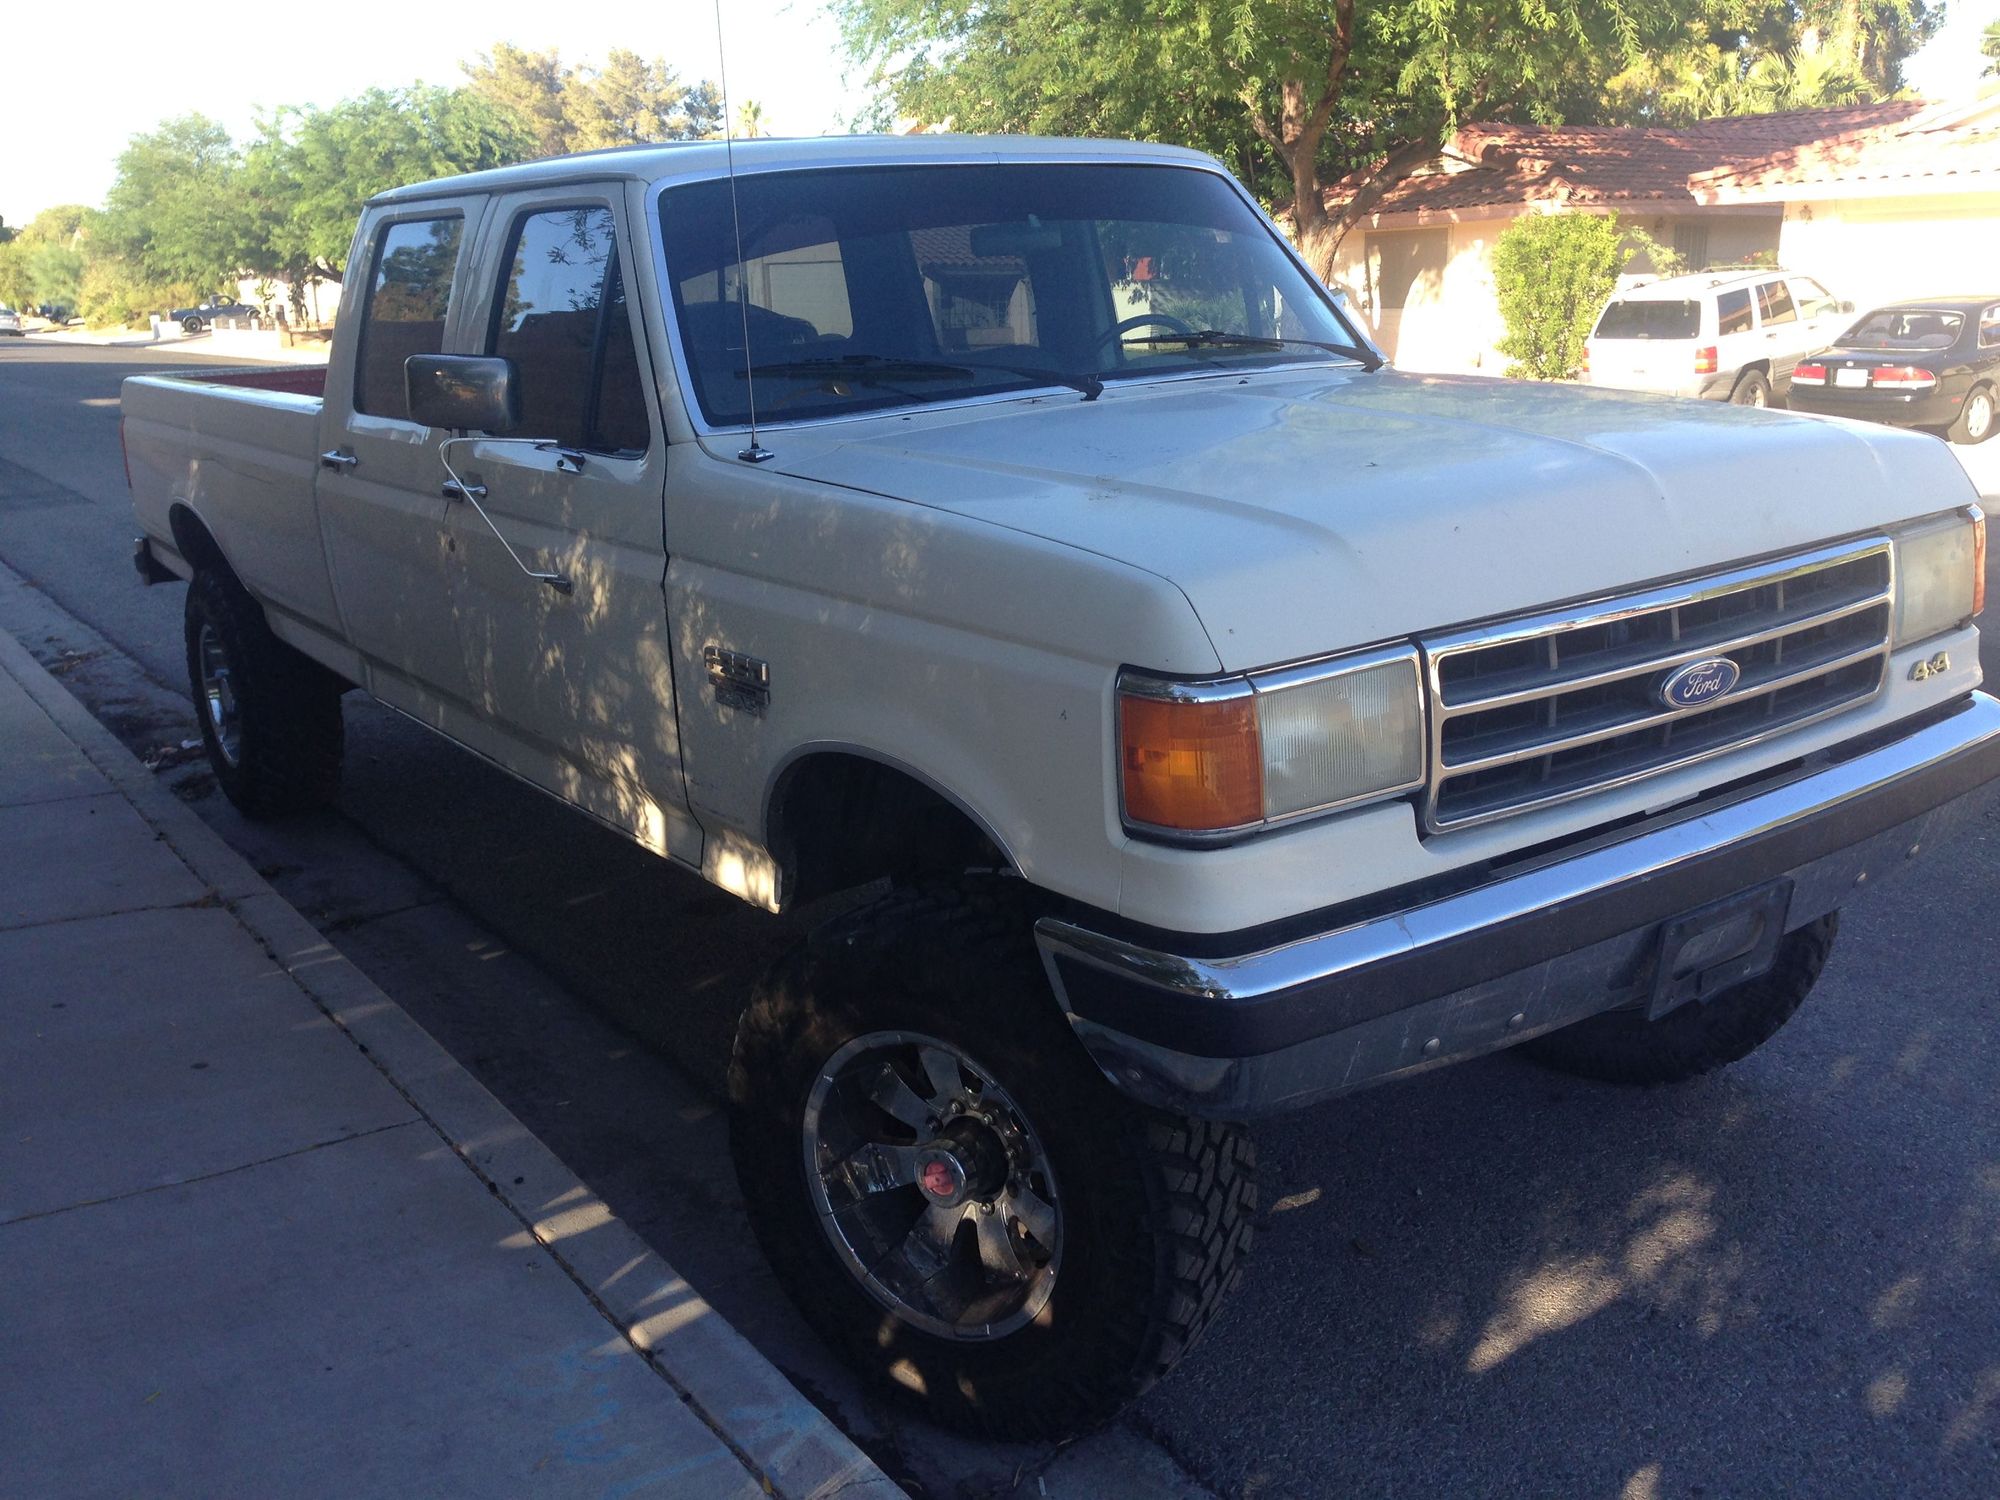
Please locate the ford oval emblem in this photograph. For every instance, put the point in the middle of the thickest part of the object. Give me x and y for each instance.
(1700, 682)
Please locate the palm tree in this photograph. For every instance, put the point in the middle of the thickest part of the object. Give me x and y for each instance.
(749, 119)
(1811, 77)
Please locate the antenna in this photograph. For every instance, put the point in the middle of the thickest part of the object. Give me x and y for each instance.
(756, 453)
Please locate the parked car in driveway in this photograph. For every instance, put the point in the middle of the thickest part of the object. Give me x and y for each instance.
(10, 321)
(194, 319)
(1729, 335)
(1933, 363)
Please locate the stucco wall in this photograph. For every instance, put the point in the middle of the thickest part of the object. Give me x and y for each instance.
(1451, 324)
(1878, 250)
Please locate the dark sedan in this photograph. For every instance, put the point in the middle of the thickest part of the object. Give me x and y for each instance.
(194, 319)
(1933, 363)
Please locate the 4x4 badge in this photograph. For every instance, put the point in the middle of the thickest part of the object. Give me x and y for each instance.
(1937, 666)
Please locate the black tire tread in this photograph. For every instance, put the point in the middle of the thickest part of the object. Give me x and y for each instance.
(1198, 1176)
(1700, 1036)
(289, 706)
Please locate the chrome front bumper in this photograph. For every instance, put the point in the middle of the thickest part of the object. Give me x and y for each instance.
(1527, 952)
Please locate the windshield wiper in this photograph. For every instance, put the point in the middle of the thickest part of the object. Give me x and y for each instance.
(1215, 338)
(883, 369)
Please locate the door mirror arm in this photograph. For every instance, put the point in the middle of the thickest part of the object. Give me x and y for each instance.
(456, 488)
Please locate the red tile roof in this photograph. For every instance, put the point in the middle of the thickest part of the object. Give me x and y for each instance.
(1496, 165)
(1938, 149)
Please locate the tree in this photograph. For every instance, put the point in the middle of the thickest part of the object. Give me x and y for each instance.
(529, 86)
(310, 170)
(1318, 91)
(1552, 273)
(1748, 57)
(1299, 94)
(43, 262)
(570, 107)
(1989, 47)
(176, 208)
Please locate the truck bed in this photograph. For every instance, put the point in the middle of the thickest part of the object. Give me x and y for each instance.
(239, 448)
(292, 380)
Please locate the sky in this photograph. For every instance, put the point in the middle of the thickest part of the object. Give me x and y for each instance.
(62, 126)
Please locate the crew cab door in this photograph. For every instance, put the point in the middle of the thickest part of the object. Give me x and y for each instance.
(573, 688)
(381, 502)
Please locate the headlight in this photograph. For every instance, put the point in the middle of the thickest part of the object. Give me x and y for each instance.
(1225, 757)
(1940, 574)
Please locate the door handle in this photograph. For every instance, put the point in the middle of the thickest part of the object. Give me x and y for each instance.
(454, 490)
(339, 462)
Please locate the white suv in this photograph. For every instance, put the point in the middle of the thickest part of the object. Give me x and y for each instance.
(1726, 335)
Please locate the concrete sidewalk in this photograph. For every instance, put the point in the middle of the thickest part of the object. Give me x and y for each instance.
(260, 1234)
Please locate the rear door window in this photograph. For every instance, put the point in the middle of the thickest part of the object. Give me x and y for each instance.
(1989, 327)
(561, 318)
(1732, 312)
(1650, 320)
(409, 293)
(1774, 303)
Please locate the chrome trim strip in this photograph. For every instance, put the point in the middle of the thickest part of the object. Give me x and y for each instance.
(1540, 748)
(1610, 608)
(1665, 663)
(1320, 669)
(1552, 625)
(1329, 955)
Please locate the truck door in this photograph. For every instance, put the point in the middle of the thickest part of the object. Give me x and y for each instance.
(574, 687)
(380, 489)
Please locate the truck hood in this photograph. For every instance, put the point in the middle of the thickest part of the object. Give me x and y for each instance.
(1306, 512)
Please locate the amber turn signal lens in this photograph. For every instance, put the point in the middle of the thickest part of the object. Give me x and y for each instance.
(1196, 767)
(1979, 562)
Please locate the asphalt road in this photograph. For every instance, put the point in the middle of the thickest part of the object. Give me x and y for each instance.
(1489, 1280)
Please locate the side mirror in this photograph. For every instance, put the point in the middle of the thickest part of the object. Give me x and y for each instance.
(1843, 307)
(465, 392)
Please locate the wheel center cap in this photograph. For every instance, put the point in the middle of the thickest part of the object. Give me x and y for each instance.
(941, 1175)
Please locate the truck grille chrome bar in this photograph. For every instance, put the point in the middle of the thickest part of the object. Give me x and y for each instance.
(1538, 710)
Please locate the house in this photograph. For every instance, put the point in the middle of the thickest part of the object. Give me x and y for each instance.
(1876, 201)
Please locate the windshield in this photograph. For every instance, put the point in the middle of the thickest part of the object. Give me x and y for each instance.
(1650, 320)
(1905, 328)
(879, 286)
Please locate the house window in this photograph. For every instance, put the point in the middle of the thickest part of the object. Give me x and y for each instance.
(1406, 265)
(1691, 245)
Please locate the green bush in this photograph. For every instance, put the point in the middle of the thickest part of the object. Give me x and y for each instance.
(1553, 273)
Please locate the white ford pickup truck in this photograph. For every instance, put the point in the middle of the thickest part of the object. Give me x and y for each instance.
(1224, 719)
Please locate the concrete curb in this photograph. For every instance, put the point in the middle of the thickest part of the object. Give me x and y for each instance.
(723, 1379)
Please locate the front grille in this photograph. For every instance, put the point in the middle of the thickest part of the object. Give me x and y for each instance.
(1533, 711)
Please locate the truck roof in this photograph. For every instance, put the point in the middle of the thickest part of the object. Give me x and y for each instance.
(700, 159)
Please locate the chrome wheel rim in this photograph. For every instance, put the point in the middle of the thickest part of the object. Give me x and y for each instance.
(932, 1186)
(218, 693)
